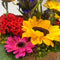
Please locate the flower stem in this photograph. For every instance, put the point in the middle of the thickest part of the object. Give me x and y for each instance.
(20, 58)
(6, 7)
(21, 3)
(22, 13)
(41, 8)
(53, 17)
(35, 57)
(38, 5)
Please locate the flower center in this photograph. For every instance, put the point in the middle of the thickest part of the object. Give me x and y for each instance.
(42, 30)
(21, 44)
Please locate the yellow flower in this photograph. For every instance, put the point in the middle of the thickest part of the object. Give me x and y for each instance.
(52, 5)
(57, 16)
(40, 31)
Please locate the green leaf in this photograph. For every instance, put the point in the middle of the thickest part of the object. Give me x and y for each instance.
(56, 47)
(6, 56)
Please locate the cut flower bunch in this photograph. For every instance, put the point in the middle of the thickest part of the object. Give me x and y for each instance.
(34, 33)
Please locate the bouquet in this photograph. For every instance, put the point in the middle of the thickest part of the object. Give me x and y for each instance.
(34, 33)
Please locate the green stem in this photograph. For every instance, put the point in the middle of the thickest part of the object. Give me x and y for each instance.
(3, 5)
(21, 3)
(53, 17)
(35, 57)
(22, 13)
(38, 5)
(41, 8)
(20, 58)
(6, 7)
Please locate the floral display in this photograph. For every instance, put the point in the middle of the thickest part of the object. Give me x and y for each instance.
(32, 34)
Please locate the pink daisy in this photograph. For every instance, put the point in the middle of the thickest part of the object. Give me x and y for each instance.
(19, 46)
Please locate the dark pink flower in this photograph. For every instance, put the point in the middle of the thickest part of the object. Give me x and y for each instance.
(19, 46)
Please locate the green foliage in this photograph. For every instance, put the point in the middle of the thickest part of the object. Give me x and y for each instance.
(6, 56)
(3, 38)
(56, 48)
(43, 49)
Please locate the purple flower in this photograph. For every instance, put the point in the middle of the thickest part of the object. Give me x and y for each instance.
(28, 5)
(19, 46)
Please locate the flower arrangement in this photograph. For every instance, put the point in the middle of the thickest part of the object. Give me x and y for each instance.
(35, 33)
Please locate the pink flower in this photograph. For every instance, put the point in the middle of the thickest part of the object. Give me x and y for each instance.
(19, 46)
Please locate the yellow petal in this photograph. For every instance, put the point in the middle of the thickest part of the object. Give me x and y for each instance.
(44, 24)
(26, 34)
(34, 41)
(27, 24)
(48, 42)
(57, 38)
(52, 5)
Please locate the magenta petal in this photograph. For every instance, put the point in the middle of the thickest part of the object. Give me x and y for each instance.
(25, 39)
(22, 54)
(15, 52)
(28, 50)
(8, 46)
(16, 38)
(29, 44)
(6, 42)
(9, 50)
(21, 50)
(17, 55)
(11, 41)
(10, 38)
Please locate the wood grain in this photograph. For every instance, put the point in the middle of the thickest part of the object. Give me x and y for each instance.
(50, 56)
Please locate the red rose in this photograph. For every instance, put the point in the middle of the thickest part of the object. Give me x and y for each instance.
(11, 24)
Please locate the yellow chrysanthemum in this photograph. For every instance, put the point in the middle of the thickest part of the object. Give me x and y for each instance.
(52, 5)
(40, 31)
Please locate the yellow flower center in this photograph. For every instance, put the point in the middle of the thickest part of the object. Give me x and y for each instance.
(41, 30)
